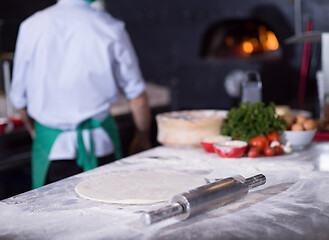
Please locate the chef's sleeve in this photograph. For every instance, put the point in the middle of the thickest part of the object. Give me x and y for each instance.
(128, 73)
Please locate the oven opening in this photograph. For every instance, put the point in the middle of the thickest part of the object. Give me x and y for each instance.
(240, 39)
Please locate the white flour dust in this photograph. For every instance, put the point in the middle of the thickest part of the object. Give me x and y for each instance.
(293, 202)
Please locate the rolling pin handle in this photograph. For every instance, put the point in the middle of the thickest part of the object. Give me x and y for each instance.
(256, 181)
(169, 211)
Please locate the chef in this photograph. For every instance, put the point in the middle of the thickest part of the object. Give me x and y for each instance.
(70, 63)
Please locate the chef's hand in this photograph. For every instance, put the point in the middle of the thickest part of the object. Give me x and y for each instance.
(140, 142)
(28, 122)
(142, 118)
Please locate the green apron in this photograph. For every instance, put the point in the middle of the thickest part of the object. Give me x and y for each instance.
(45, 138)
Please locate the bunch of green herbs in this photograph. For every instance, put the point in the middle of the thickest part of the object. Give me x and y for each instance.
(250, 120)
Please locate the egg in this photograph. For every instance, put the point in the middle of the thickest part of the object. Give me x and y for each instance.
(300, 119)
(297, 127)
(290, 120)
(309, 124)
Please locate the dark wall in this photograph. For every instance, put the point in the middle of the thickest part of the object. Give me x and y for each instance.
(13, 12)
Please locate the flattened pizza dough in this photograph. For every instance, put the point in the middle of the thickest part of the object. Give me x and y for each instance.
(142, 187)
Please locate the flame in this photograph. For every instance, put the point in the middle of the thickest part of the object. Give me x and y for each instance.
(268, 39)
(258, 39)
(272, 42)
(254, 42)
(247, 47)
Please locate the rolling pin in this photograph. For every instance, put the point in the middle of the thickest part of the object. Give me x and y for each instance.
(204, 198)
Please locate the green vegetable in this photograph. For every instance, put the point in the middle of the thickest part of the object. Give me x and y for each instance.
(251, 120)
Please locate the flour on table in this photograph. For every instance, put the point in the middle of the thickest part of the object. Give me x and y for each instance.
(140, 187)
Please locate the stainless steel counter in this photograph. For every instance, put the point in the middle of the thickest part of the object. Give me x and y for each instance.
(293, 204)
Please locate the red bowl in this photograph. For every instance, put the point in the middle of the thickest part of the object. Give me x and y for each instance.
(208, 142)
(2, 127)
(3, 123)
(16, 120)
(208, 146)
(231, 149)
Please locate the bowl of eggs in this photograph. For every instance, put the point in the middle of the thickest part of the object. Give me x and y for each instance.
(300, 131)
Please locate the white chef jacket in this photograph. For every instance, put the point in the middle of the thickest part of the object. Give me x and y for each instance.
(70, 60)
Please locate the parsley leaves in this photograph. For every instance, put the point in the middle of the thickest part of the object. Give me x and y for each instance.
(250, 120)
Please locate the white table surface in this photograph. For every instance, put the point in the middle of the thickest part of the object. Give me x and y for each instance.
(293, 204)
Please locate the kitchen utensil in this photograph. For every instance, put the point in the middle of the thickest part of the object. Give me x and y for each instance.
(251, 87)
(204, 198)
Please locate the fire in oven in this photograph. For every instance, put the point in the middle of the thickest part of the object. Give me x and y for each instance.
(240, 39)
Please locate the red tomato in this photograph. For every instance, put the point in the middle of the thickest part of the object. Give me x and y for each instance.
(269, 151)
(260, 142)
(277, 150)
(273, 136)
(253, 152)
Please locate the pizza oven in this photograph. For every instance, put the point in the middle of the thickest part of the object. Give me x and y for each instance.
(201, 49)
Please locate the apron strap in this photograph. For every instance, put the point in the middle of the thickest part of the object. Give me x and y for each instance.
(87, 160)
